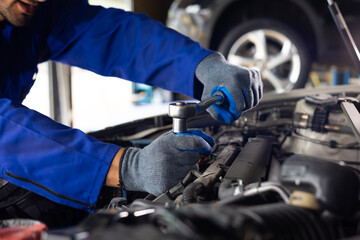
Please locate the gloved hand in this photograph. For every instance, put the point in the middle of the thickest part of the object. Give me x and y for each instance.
(241, 86)
(164, 163)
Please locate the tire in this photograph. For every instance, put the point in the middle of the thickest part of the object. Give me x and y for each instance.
(284, 61)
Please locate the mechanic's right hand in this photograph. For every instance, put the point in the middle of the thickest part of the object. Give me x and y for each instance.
(241, 86)
(164, 163)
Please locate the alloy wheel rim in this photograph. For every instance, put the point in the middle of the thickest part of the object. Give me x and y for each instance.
(270, 52)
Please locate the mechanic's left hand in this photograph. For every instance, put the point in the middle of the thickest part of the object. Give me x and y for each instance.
(241, 86)
(165, 162)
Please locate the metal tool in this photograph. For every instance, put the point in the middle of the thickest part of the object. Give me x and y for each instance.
(180, 111)
(351, 113)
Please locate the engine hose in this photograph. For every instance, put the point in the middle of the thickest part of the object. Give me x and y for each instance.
(284, 221)
(210, 175)
(191, 192)
(276, 221)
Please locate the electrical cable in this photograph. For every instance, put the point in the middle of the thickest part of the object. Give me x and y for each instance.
(330, 144)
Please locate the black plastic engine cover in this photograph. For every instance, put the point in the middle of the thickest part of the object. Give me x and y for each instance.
(336, 187)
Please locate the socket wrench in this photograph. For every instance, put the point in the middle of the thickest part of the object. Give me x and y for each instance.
(180, 111)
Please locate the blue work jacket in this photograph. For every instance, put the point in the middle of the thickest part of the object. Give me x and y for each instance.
(55, 161)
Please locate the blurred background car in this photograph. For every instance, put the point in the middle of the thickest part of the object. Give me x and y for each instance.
(284, 39)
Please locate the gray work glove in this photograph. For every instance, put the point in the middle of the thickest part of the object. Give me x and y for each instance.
(164, 163)
(241, 86)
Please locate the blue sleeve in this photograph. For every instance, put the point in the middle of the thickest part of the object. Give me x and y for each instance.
(64, 164)
(55, 161)
(112, 42)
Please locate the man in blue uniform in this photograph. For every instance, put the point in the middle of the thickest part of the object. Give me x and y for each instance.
(64, 164)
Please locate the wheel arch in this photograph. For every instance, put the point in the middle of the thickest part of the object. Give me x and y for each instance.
(306, 22)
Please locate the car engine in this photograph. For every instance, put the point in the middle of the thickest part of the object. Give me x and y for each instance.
(288, 169)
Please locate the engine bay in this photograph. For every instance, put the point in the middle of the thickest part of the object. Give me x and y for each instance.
(288, 169)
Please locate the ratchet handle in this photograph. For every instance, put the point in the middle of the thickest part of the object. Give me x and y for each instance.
(203, 105)
(222, 99)
(218, 98)
(180, 111)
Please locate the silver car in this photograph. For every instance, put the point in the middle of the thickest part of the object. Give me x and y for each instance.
(281, 38)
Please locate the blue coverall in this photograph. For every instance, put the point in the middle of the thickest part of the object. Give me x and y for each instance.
(55, 161)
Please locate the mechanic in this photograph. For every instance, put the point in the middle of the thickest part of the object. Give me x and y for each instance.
(67, 166)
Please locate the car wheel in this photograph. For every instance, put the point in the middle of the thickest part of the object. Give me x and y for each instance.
(271, 47)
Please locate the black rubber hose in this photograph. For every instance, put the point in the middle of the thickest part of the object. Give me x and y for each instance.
(192, 191)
